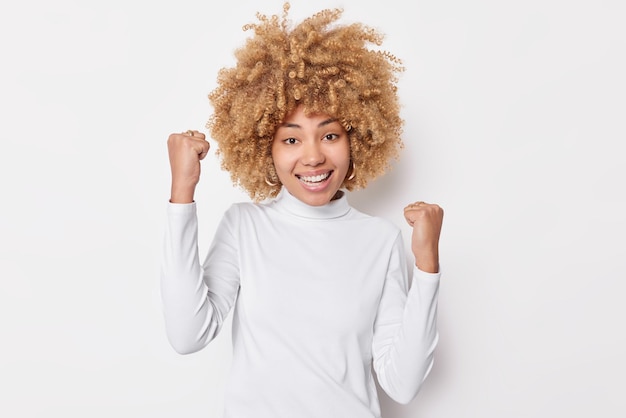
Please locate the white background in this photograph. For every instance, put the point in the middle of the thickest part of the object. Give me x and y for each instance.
(515, 125)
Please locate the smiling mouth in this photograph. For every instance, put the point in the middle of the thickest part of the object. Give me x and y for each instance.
(314, 179)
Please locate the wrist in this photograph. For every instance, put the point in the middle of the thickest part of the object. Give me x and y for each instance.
(181, 194)
(428, 267)
(427, 261)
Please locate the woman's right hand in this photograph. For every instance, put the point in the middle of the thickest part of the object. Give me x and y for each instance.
(185, 152)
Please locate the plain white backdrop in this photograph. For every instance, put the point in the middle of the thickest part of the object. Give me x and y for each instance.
(514, 124)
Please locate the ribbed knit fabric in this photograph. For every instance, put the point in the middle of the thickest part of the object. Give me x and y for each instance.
(320, 294)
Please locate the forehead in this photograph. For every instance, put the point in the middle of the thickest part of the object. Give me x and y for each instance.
(300, 118)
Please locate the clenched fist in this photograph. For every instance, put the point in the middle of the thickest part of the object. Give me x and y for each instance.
(426, 220)
(185, 152)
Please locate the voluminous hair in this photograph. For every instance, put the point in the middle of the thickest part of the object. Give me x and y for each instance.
(328, 69)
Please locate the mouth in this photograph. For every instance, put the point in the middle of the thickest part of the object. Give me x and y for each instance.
(313, 180)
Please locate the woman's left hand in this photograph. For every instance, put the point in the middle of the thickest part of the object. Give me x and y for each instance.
(426, 220)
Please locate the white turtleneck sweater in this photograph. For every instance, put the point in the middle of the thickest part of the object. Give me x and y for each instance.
(320, 295)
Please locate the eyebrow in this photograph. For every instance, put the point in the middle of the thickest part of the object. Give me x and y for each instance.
(319, 125)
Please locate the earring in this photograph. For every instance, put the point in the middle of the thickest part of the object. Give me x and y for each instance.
(269, 183)
(272, 175)
(353, 172)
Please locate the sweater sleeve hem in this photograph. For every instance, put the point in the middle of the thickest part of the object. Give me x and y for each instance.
(181, 209)
(426, 277)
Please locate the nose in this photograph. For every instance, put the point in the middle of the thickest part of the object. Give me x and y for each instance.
(312, 153)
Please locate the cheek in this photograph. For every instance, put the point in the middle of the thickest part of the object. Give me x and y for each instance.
(280, 158)
(342, 157)
(275, 154)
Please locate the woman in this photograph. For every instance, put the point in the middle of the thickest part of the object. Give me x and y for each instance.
(320, 291)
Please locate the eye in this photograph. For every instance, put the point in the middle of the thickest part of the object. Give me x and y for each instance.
(290, 141)
(330, 137)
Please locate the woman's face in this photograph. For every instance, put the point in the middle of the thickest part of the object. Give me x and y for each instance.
(311, 156)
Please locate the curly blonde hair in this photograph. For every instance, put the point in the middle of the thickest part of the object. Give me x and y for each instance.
(327, 69)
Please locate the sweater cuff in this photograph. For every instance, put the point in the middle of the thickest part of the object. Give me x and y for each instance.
(425, 276)
(181, 209)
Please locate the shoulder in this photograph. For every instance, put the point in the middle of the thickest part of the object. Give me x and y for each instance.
(376, 221)
(246, 210)
(249, 207)
(239, 216)
(382, 228)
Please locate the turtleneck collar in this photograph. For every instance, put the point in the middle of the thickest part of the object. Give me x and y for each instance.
(287, 203)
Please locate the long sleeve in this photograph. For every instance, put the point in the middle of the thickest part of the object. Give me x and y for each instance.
(196, 298)
(405, 331)
(318, 294)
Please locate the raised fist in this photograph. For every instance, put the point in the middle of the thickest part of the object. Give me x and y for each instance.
(426, 220)
(185, 152)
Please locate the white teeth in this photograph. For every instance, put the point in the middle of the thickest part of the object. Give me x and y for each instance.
(315, 179)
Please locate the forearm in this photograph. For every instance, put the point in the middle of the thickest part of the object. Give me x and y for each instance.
(427, 261)
(189, 316)
(182, 192)
(407, 359)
